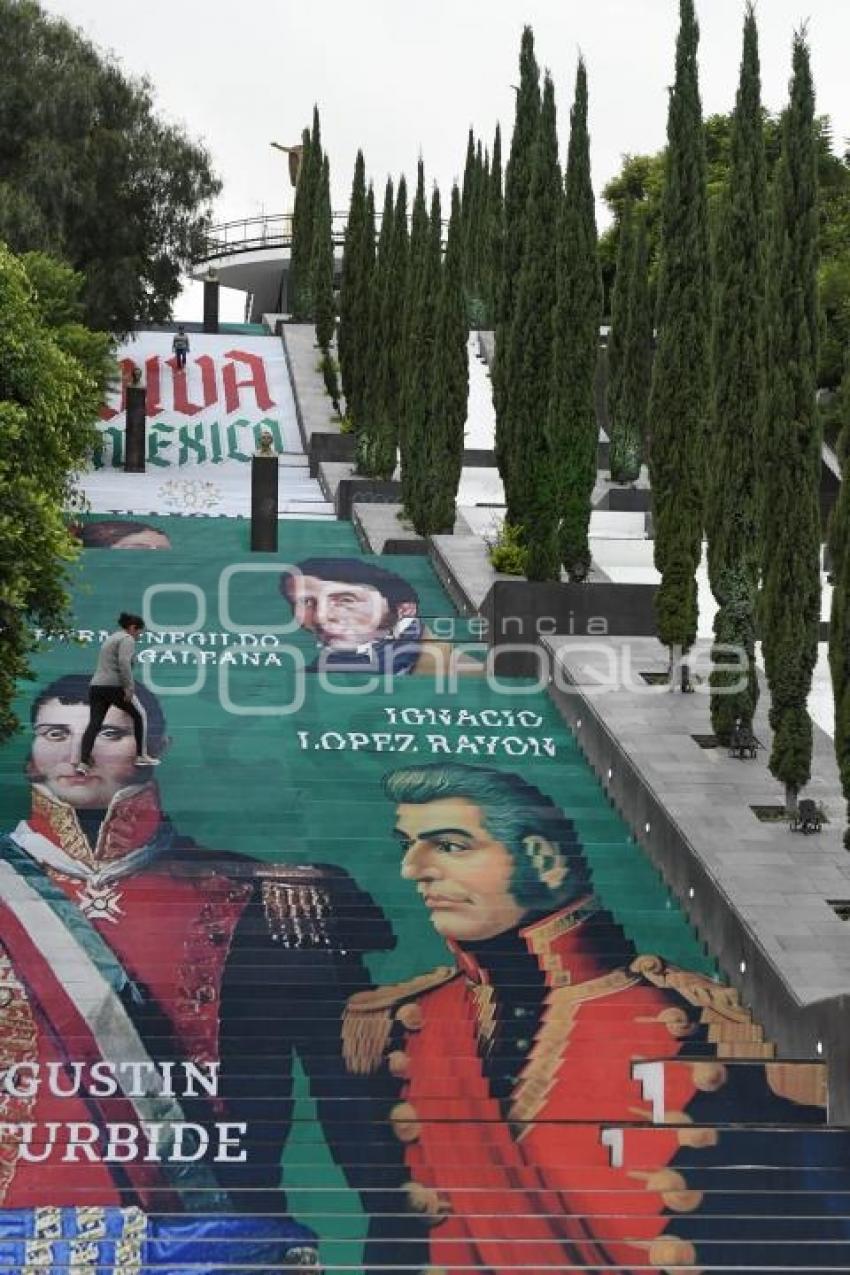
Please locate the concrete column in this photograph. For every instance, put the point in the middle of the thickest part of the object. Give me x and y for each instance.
(211, 300)
(264, 483)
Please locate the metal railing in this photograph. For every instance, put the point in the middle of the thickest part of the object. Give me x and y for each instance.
(253, 234)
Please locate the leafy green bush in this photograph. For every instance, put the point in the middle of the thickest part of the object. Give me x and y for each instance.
(507, 552)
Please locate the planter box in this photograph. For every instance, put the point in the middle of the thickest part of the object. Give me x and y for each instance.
(371, 491)
(379, 531)
(329, 446)
(521, 612)
(628, 500)
(479, 458)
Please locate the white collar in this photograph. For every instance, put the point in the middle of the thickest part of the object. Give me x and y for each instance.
(38, 847)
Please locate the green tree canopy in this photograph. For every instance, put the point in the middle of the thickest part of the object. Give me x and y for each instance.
(790, 604)
(414, 391)
(735, 454)
(323, 262)
(424, 284)
(358, 256)
(641, 179)
(681, 374)
(839, 625)
(308, 194)
(436, 512)
(52, 378)
(629, 349)
(89, 173)
(514, 219)
(493, 248)
(375, 439)
(532, 494)
(572, 425)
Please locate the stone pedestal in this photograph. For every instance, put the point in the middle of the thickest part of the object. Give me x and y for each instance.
(135, 444)
(264, 480)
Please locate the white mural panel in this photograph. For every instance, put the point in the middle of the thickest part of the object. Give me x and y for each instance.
(203, 424)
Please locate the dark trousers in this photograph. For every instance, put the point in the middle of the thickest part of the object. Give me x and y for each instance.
(180, 356)
(101, 699)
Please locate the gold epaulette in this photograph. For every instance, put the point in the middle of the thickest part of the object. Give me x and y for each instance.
(730, 1025)
(368, 1017)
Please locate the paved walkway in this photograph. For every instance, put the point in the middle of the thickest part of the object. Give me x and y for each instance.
(778, 880)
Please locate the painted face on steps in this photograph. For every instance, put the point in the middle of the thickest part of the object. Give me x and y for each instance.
(462, 873)
(57, 736)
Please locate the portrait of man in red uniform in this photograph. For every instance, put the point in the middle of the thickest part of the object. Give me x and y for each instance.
(153, 994)
(514, 1081)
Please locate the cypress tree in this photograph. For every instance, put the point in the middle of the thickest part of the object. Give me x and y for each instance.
(494, 233)
(839, 625)
(472, 251)
(790, 611)
(392, 329)
(517, 182)
(420, 368)
(312, 165)
(629, 348)
(573, 429)
(411, 405)
(374, 408)
(681, 378)
(302, 237)
(483, 314)
(533, 501)
(467, 196)
(357, 254)
(637, 355)
(738, 417)
(620, 301)
(449, 391)
(323, 262)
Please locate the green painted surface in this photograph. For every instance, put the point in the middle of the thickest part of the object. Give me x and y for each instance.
(305, 785)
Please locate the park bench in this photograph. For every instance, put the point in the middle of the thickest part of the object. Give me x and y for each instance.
(807, 817)
(743, 743)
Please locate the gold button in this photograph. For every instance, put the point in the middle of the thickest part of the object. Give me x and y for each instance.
(427, 1201)
(699, 1139)
(404, 1119)
(677, 1022)
(674, 1191)
(677, 1117)
(410, 1016)
(709, 1076)
(669, 1251)
(399, 1063)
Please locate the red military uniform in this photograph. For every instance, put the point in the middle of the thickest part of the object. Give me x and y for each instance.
(220, 948)
(511, 1171)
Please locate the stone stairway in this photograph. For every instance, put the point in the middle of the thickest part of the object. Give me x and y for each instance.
(388, 946)
(203, 425)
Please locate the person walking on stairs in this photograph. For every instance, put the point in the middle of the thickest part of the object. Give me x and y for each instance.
(180, 347)
(112, 685)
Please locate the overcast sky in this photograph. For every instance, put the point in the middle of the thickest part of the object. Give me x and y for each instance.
(400, 77)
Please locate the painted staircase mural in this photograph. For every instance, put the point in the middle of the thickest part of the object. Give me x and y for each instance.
(367, 975)
(203, 424)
